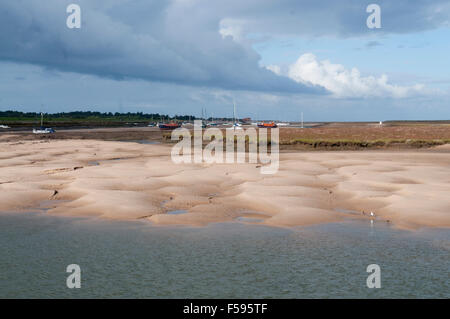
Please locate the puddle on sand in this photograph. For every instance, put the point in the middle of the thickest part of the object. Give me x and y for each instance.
(177, 212)
(143, 142)
(252, 218)
(114, 159)
(249, 219)
(363, 214)
(46, 205)
(347, 211)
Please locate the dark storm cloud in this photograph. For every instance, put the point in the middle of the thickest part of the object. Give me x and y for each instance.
(179, 41)
(161, 45)
(343, 18)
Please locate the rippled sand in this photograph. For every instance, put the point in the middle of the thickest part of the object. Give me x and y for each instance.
(118, 180)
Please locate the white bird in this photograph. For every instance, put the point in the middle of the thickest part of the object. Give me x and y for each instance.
(372, 214)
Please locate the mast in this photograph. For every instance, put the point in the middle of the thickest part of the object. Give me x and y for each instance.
(302, 119)
(234, 111)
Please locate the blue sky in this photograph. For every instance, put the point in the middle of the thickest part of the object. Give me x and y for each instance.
(275, 58)
(423, 55)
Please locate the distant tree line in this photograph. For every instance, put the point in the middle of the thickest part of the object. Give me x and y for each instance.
(80, 115)
(92, 115)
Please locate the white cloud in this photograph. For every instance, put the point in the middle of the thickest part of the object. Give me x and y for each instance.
(274, 68)
(231, 27)
(345, 83)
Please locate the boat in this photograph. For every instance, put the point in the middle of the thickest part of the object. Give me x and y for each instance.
(236, 124)
(267, 125)
(43, 130)
(168, 126)
(4, 126)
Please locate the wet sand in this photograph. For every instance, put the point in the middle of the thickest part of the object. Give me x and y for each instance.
(117, 180)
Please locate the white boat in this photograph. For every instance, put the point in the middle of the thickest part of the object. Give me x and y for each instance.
(4, 126)
(236, 124)
(43, 130)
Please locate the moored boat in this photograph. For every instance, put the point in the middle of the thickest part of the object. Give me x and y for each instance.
(168, 126)
(267, 125)
(42, 129)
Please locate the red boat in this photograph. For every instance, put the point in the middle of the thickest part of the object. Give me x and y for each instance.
(267, 125)
(168, 126)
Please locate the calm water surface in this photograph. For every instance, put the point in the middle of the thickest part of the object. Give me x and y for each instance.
(231, 260)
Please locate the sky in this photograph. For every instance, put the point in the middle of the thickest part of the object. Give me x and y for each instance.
(275, 59)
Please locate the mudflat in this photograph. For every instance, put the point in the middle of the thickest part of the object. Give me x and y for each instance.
(118, 180)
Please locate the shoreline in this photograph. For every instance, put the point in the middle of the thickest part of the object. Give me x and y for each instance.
(330, 137)
(138, 181)
(97, 221)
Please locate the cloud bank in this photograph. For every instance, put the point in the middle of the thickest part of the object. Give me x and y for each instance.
(197, 42)
(343, 18)
(116, 40)
(345, 83)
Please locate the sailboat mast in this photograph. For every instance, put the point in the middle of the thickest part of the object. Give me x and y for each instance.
(302, 119)
(234, 111)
